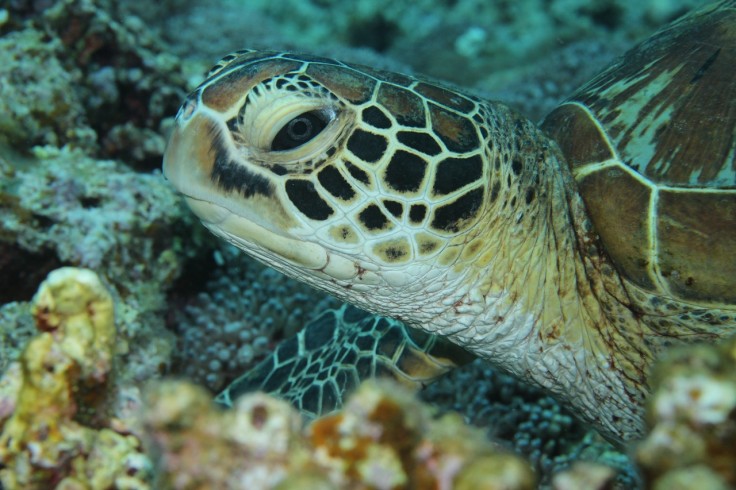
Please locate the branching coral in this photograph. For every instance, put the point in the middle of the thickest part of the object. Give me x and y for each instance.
(56, 392)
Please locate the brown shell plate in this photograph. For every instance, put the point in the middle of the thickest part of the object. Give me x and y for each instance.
(652, 145)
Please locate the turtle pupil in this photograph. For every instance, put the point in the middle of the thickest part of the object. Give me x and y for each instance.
(299, 130)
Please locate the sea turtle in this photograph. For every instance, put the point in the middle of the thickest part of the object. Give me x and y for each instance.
(568, 254)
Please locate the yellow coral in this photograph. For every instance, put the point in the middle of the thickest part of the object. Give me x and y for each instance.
(76, 308)
(43, 441)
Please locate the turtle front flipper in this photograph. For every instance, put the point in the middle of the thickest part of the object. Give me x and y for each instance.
(316, 369)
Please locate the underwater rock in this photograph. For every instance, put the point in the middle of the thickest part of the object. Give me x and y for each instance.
(53, 398)
(38, 103)
(76, 72)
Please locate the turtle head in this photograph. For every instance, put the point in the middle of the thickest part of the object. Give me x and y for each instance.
(345, 177)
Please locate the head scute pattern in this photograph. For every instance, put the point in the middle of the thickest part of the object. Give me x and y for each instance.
(412, 140)
(569, 254)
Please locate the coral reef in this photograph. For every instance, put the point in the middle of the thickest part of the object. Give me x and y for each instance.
(692, 413)
(16, 329)
(38, 103)
(99, 214)
(244, 310)
(52, 399)
(383, 439)
(79, 85)
(81, 74)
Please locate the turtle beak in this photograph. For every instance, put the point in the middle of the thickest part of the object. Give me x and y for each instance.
(188, 159)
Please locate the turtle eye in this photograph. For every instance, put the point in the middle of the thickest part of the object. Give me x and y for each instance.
(299, 130)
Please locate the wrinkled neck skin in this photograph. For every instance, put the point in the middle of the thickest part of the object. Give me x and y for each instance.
(541, 302)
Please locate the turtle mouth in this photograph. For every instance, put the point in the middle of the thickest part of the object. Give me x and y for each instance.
(289, 254)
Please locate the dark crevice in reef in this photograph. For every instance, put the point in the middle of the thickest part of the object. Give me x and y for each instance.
(377, 33)
(23, 271)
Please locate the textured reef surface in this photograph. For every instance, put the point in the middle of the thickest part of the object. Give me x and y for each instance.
(136, 291)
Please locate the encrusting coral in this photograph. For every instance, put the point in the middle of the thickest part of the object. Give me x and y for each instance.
(53, 398)
(382, 439)
(692, 414)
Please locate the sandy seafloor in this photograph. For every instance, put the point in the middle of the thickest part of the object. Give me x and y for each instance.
(88, 91)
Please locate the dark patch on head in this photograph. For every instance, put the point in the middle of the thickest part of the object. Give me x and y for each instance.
(373, 218)
(333, 181)
(445, 97)
(405, 172)
(404, 105)
(306, 199)
(367, 146)
(417, 212)
(450, 217)
(454, 173)
(344, 82)
(243, 58)
(394, 207)
(422, 142)
(529, 197)
(278, 169)
(456, 132)
(375, 117)
(229, 87)
(516, 166)
(231, 176)
(358, 173)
